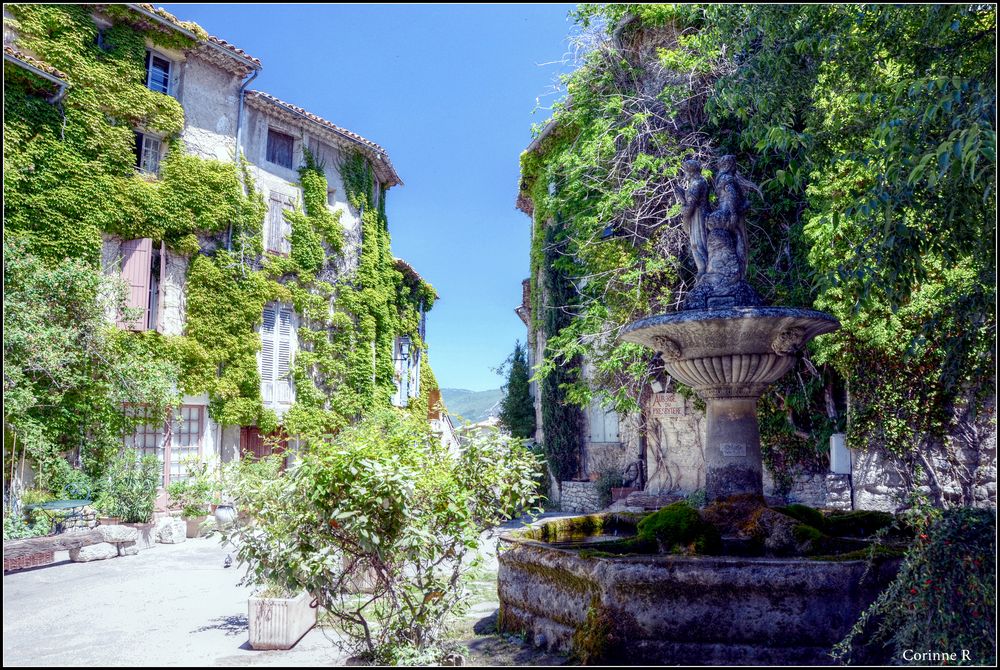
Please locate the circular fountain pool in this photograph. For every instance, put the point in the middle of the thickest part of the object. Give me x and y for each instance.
(564, 593)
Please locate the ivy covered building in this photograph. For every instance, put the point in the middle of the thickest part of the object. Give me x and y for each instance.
(251, 235)
(841, 127)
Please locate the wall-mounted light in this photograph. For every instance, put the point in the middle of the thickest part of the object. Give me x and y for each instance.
(404, 347)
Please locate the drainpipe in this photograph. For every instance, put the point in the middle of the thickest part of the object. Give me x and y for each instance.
(239, 153)
(61, 83)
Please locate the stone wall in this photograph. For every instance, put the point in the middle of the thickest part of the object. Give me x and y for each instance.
(88, 519)
(579, 497)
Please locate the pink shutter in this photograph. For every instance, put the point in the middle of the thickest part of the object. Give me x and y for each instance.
(136, 255)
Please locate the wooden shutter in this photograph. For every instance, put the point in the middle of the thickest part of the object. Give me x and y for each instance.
(286, 226)
(136, 255)
(275, 223)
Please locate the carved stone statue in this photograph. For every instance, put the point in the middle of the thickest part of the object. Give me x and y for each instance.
(634, 475)
(730, 189)
(694, 201)
(723, 281)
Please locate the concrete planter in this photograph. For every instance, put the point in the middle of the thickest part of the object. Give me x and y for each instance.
(279, 623)
(689, 610)
(147, 535)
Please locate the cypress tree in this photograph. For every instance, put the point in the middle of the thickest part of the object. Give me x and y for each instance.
(517, 411)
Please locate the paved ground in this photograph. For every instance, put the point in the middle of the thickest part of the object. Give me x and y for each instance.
(173, 604)
(177, 605)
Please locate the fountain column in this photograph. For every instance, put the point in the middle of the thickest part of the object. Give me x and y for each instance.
(732, 448)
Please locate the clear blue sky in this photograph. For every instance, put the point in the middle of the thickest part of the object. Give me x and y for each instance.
(449, 91)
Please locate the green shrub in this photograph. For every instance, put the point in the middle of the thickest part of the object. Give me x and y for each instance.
(382, 508)
(131, 486)
(679, 528)
(196, 492)
(944, 596)
(607, 479)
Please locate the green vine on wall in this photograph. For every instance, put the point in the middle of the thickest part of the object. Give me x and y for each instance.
(70, 179)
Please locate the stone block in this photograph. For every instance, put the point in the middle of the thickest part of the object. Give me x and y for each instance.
(128, 549)
(171, 531)
(93, 552)
(118, 533)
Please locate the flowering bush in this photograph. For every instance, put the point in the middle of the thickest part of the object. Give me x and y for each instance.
(944, 597)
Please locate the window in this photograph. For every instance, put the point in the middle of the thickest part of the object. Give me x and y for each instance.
(603, 423)
(170, 441)
(147, 154)
(403, 358)
(279, 148)
(185, 438)
(331, 197)
(278, 231)
(277, 338)
(157, 73)
(149, 437)
(142, 267)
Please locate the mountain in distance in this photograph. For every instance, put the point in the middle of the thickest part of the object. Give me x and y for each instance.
(472, 406)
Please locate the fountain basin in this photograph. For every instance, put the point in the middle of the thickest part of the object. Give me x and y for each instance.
(673, 609)
(734, 352)
(729, 357)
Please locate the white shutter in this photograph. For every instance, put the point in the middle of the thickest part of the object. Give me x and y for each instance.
(285, 333)
(267, 333)
(596, 422)
(611, 426)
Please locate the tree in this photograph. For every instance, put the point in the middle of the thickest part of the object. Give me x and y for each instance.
(517, 409)
(68, 372)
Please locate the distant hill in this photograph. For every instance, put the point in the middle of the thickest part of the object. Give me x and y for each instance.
(473, 406)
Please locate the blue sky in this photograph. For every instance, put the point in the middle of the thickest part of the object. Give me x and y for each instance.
(449, 91)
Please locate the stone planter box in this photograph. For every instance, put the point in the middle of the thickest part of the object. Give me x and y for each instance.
(279, 623)
(147, 535)
(688, 610)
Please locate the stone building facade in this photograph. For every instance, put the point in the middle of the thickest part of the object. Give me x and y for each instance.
(225, 120)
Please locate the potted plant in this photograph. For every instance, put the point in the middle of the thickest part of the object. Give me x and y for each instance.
(130, 493)
(194, 494)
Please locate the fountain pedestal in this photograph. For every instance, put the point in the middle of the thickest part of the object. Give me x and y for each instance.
(732, 448)
(729, 357)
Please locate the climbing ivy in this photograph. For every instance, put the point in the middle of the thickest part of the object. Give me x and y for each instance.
(871, 131)
(70, 179)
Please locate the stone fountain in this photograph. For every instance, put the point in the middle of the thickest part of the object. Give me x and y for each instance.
(725, 344)
(576, 586)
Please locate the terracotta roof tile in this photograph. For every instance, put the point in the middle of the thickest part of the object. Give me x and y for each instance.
(186, 25)
(373, 148)
(32, 61)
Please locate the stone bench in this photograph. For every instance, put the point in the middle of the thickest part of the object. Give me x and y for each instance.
(83, 545)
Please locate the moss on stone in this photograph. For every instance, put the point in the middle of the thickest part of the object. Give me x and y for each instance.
(859, 523)
(807, 515)
(679, 528)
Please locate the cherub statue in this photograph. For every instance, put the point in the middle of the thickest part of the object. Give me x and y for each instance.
(694, 203)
